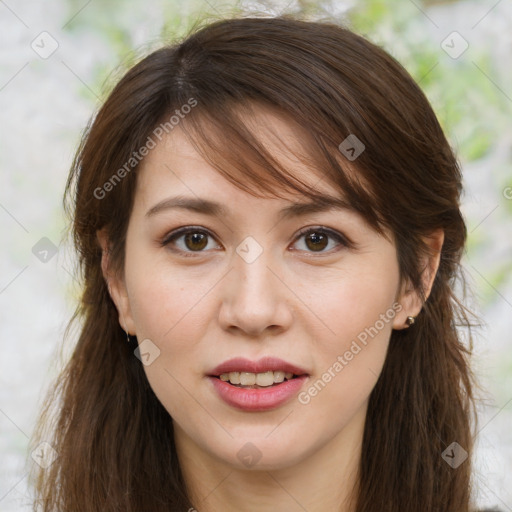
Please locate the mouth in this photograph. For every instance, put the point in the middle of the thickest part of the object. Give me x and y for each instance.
(263, 373)
(257, 385)
(262, 380)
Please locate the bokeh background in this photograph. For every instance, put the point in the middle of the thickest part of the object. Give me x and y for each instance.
(59, 59)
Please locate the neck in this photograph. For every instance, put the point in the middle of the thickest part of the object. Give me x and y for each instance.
(321, 481)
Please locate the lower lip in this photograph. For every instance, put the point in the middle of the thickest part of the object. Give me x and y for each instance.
(262, 399)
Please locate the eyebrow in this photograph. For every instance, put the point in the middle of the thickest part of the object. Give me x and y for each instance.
(208, 207)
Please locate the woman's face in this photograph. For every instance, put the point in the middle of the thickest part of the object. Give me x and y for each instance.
(243, 280)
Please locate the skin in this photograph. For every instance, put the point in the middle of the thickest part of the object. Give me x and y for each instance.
(303, 305)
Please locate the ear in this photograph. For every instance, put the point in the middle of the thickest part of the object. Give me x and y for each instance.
(116, 285)
(409, 298)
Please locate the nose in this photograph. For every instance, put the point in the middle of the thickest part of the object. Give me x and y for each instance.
(255, 299)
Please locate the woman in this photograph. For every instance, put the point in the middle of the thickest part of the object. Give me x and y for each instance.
(267, 219)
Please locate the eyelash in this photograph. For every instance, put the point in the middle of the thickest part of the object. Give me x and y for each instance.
(171, 237)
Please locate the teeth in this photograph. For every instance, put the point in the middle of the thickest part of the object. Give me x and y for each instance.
(247, 379)
(234, 377)
(279, 376)
(264, 379)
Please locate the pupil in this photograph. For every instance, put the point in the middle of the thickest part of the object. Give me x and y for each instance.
(315, 238)
(196, 241)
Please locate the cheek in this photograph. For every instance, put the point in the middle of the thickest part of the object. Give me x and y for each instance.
(165, 315)
(358, 315)
(165, 301)
(354, 300)
(358, 312)
(173, 309)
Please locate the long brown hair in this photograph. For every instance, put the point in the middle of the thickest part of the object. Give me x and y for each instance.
(113, 438)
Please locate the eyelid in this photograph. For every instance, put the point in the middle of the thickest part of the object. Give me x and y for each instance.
(183, 231)
(343, 239)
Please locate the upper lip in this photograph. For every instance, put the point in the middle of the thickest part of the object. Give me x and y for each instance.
(265, 364)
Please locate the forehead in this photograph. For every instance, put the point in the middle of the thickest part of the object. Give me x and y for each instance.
(176, 163)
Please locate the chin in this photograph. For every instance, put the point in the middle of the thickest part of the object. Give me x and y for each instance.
(263, 452)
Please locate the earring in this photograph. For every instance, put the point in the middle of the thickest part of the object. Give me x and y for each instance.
(410, 320)
(132, 341)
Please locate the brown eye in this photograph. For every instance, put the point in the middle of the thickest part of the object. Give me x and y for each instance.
(188, 241)
(318, 239)
(196, 241)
